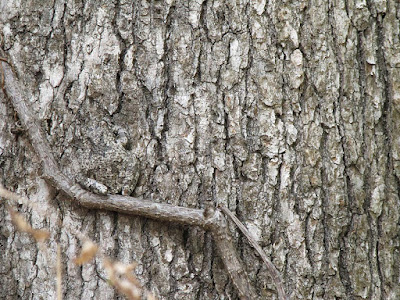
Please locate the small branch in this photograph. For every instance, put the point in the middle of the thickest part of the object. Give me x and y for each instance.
(52, 173)
(227, 251)
(274, 273)
(128, 205)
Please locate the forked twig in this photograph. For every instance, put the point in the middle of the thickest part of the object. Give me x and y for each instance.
(276, 277)
(214, 222)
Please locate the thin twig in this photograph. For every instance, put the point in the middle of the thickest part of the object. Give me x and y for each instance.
(124, 204)
(274, 273)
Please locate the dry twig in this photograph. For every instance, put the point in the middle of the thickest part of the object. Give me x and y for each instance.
(276, 277)
(215, 222)
(23, 226)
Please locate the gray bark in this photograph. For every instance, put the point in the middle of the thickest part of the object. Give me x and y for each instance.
(286, 112)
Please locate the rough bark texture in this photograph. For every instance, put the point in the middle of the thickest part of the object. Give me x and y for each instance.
(287, 112)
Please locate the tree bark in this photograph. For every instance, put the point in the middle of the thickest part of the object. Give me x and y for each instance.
(287, 113)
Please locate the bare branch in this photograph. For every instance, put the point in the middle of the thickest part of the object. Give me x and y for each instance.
(224, 242)
(274, 273)
(128, 205)
(52, 173)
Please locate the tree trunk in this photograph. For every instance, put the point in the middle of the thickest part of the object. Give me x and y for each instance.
(286, 112)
